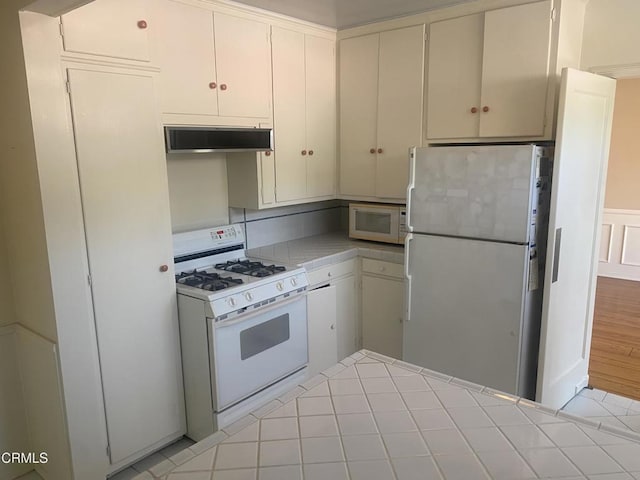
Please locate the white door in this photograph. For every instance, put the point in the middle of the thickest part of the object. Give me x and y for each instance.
(382, 312)
(400, 88)
(577, 195)
(125, 201)
(321, 320)
(358, 114)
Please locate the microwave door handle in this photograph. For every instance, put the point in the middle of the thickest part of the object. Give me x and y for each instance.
(407, 275)
(411, 186)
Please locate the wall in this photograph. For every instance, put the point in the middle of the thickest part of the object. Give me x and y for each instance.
(197, 190)
(7, 313)
(611, 34)
(623, 177)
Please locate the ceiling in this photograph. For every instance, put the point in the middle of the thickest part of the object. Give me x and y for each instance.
(348, 13)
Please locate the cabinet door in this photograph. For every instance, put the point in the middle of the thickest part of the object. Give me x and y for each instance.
(400, 87)
(289, 113)
(382, 314)
(321, 325)
(358, 113)
(453, 86)
(243, 61)
(347, 325)
(113, 28)
(515, 70)
(183, 49)
(125, 201)
(321, 115)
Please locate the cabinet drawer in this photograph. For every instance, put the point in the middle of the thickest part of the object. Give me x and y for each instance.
(379, 267)
(330, 272)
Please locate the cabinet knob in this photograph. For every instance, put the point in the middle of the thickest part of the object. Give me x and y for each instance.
(333, 326)
(310, 152)
(267, 153)
(303, 152)
(213, 85)
(142, 24)
(380, 150)
(373, 150)
(485, 109)
(223, 87)
(164, 268)
(474, 110)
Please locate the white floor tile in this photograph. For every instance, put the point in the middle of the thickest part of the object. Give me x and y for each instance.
(628, 456)
(368, 370)
(378, 385)
(280, 452)
(289, 409)
(326, 471)
(445, 442)
(363, 447)
(237, 455)
(357, 424)
(290, 472)
(416, 468)
(318, 426)
(242, 474)
(315, 406)
(247, 434)
(585, 407)
(411, 383)
(386, 402)
(204, 461)
(432, 419)
(486, 439)
(549, 463)
(370, 470)
(410, 444)
(613, 399)
(322, 450)
(190, 476)
(506, 465)
(345, 386)
(506, 415)
(594, 393)
(456, 398)
(320, 390)
(611, 421)
(603, 438)
(470, 417)
(421, 400)
(461, 467)
(631, 421)
(591, 460)
(279, 428)
(526, 436)
(350, 404)
(395, 422)
(566, 435)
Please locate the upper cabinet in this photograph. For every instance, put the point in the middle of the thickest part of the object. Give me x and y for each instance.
(381, 85)
(110, 28)
(304, 114)
(488, 74)
(211, 63)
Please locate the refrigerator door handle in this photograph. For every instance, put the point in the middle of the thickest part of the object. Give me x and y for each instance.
(411, 186)
(407, 242)
(556, 255)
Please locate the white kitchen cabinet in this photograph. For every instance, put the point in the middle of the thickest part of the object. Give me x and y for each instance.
(111, 28)
(381, 88)
(343, 277)
(211, 63)
(125, 202)
(489, 74)
(304, 100)
(383, 299)
(321, 328)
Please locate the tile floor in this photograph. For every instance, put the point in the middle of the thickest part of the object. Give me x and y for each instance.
(319, 424)
(606, 408)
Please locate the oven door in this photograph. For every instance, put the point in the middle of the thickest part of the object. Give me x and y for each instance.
(256, 349)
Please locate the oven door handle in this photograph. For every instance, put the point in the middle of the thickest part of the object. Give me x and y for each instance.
(243, 317)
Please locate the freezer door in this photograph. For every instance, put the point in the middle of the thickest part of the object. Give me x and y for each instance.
(466, 309)
(473, 191)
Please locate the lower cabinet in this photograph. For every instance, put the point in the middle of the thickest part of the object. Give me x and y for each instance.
(321, 328)
(383, 294)
(332, 314)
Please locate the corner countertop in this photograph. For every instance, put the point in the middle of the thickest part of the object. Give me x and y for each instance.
(371, 417)
(317, 251)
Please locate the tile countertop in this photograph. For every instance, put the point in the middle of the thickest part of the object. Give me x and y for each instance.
(317, 251)
(374, 418)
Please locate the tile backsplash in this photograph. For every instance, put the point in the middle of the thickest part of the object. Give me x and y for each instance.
(274, 225)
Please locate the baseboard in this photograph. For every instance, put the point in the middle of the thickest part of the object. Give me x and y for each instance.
(619, 255)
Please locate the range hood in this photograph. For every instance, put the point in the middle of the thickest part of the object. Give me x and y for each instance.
(217, 139)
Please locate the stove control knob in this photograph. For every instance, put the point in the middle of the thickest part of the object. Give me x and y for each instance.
(294, 282)
(280, 286)
(248, 296)
(232, 301)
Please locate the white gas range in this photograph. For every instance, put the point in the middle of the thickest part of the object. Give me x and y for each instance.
(243, 327)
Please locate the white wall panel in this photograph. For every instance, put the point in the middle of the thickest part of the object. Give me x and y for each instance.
(620, 244)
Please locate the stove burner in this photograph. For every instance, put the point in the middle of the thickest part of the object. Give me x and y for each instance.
(206, 280)
(247, 267)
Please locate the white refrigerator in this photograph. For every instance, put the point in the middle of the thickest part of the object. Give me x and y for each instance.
(475, 256)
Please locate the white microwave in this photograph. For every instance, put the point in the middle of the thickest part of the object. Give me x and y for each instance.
(380, 223)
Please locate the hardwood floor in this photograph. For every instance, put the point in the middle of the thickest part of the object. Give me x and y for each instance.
(615, 346)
